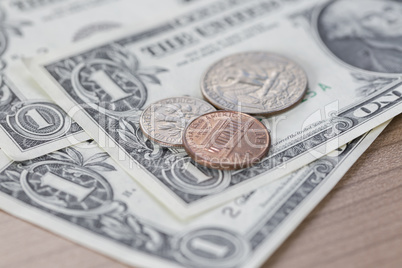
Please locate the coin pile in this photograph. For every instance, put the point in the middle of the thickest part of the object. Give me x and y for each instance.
(244, 84)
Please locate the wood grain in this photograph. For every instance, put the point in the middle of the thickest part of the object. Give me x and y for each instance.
(359, 224)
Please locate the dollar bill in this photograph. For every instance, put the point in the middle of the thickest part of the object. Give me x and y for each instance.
(105, 86)
(83, 195)
(30, 124)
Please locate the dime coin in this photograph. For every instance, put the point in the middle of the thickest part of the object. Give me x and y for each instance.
(165, 120)
(226, 140)
(254, 83)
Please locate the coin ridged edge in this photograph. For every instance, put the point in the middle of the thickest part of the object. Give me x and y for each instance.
(159, 142)
(274, 112)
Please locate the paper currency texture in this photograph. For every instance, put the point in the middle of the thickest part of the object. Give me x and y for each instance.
(81, 194)
(105, 86)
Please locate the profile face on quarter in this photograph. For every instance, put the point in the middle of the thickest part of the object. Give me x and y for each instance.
(226, 140)
(366, 34)
(254, 83)
(164, 121)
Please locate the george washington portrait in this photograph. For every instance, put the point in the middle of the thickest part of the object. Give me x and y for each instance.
(366, 34)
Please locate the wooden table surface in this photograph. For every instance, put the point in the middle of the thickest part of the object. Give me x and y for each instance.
(359, 224)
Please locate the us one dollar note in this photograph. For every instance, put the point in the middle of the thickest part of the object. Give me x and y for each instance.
(82, 194)
(354, 85)
(30, 124)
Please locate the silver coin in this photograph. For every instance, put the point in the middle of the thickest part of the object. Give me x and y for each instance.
(164, 121)
(254, 83)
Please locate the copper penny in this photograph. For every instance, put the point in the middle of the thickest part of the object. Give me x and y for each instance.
(254, 83)
(226, 140)
(164, 121)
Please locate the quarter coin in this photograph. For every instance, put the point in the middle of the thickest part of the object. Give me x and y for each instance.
(164, 121)
(226, 140)
(254, 83)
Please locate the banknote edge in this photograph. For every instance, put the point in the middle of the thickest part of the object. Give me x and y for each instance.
(35, 216)
(189, 210)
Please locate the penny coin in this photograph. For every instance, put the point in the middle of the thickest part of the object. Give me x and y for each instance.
(164, 121)
(226, 140)
(254, 83)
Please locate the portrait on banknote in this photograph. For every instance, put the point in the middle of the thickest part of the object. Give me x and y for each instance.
(366, 34)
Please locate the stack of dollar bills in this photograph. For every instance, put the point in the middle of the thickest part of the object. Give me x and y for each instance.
(76, 75)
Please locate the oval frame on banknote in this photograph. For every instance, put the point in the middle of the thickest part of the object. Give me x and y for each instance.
(103, 208)
(316, 34)
(91, 101)
(174, 180)
(239, 247)
(63, 127)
